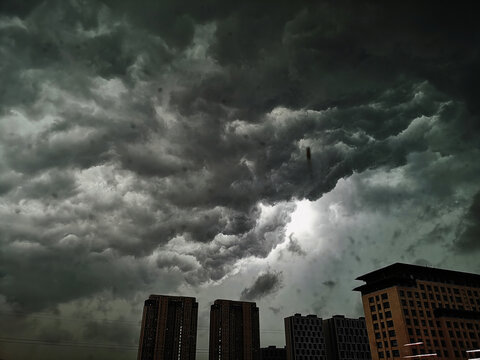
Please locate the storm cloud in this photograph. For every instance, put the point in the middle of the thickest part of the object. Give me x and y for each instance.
(159, 147)
(264, 285)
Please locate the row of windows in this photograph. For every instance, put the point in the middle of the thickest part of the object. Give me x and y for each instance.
(350, 331)
(349, 355)
(352, 339)
(309, 340)
(388, 315)
(391, 333)
(300, 345)
(433, 306)
(307, 321)
(385, 343)
(447, 289)
(350, 323)
(309, 352)
(355, 347)
(382, 324)
(450, 298)
(307, 327)
(395, 353)
(445, 295)
(386, 305)
(384, 296)
(309, 334)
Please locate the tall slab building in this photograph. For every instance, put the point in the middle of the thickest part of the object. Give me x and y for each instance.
(305, 338)
(421, 312)
(234, 331)
(169, 328)
(346, 339)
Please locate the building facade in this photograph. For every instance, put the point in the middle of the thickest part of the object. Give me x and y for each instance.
(169, 328)
(273, 353)
(421, 312)
(304, 338)
(234, 331)
(346, 339)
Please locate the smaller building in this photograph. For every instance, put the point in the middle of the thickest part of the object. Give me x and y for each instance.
(304, 337)
(273, 353)
(346, 339)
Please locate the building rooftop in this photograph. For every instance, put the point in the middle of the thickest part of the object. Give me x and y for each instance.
(406, 275)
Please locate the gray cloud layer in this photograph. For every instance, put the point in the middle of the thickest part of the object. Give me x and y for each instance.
(166, 140)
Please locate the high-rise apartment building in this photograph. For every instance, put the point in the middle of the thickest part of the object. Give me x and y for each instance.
(304, 338)
(273, 353)
(169, 328)
(234, 331)
(346, 339)
(421, 312)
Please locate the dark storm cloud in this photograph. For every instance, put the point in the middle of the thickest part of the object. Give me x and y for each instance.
(294, 246)
(265, 284)
(109, 182)
(329, 283)
(469, 238)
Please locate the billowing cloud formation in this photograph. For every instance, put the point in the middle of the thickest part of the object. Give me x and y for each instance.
(158, 146)
(469, 230)
(264, 285)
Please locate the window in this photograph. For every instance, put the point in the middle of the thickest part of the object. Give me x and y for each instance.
(374, 317)
(393, 343)
(395, 353)
(380, 354)
(391, 332)
(388, 314)
(370, 299)
(375, 326)
(386, 305)
(372, 308)
(389, 323)
(384, 296)
(402, 293)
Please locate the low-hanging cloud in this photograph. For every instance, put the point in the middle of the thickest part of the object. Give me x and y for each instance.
(266, 284)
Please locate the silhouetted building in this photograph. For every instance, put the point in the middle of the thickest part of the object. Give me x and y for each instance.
(415, 310)
(234, 331)
(273, 353)
(304, 338)
(346, 339)
(169, 328)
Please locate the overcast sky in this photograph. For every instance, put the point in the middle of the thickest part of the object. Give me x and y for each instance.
(159, 147)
